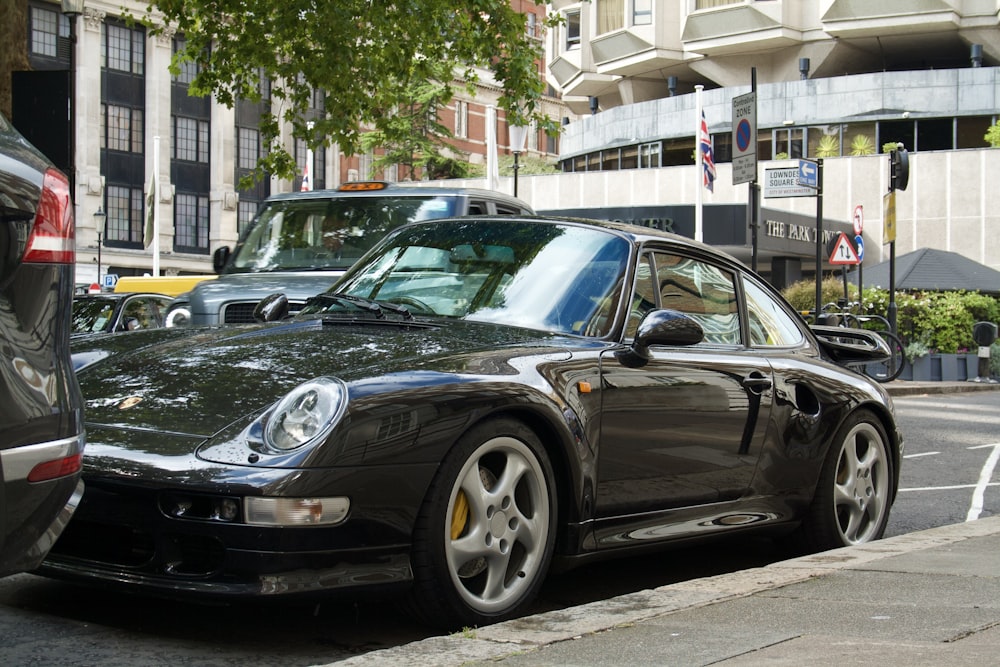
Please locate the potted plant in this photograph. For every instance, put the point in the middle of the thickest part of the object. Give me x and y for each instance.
(918, 359)
(828, 146)
(862, 144)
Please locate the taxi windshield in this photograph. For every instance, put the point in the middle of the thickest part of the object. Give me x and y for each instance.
(328, 233)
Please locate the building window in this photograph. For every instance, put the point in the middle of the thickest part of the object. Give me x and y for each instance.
(461, 119)
(191, 223)
(708, 4)
(121, 128)
(45, 27)
(124, 50)
(572, 28)
(247, 147)
(970, 131)
(531, 26)
(188, 69)
(649, 155)
(125, 219)
(190, 140)
(610, 15)
(642, 12)
(244, 214)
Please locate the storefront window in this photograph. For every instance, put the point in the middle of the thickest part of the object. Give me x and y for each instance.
(824, 141)
(630, 157)
(859, 139)
(969, 132)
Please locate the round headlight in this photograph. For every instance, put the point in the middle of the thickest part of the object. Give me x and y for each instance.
(307, 413)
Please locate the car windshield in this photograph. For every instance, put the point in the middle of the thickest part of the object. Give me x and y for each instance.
(563, 278)
(328, 233)
(92, 315)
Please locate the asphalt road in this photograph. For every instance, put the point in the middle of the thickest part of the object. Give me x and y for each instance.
(952, 445)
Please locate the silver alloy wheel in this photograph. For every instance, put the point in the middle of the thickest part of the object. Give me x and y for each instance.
(861, 486)
(497, 525)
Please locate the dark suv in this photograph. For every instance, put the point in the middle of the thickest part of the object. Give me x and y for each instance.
(300, 243)
(41, 423)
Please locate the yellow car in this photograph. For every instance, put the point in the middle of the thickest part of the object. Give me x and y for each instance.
(169, 285)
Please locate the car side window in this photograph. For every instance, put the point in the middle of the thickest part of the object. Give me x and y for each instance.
(477, 208)
(770, 323)
(643, 296)
(503, 209)
(136, 315)
(704, 292)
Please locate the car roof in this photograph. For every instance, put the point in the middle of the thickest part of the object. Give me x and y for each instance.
(397, 190)
(117, 296)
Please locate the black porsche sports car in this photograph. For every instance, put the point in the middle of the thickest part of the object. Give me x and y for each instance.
(473, 399)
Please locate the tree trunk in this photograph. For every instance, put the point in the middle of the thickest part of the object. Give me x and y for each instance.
(14, 54)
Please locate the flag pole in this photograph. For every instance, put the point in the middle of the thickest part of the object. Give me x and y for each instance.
(700, 170)
(156, 206)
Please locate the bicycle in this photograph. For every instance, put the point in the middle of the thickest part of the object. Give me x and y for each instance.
(843, 315)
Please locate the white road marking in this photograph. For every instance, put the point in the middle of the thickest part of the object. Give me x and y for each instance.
(946, 488)
(984, 481)
(913, 456)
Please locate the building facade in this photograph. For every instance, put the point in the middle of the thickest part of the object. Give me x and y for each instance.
(130, 118)
(835, 80)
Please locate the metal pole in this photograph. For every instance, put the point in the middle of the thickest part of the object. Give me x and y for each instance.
(752, 203)
(515, 172)
(819, 237)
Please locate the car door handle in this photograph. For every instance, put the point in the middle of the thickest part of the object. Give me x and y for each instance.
(756, 382)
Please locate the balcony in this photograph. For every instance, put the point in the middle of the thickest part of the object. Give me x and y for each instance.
(849, 18)
(742, 27)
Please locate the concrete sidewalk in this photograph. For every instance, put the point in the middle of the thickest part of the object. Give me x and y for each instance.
(925, 598)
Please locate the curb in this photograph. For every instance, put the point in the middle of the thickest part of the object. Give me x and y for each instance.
(532, 632)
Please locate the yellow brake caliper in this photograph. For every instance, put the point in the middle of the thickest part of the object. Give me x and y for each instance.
(460, 515)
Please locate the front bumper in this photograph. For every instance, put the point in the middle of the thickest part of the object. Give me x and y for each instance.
(123, 534)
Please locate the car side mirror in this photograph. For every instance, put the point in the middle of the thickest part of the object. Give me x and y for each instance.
(271, 308)
(219, 258)
(661, 327)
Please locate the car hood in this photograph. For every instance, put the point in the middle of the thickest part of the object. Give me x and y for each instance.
(196, 382)
(297, 285)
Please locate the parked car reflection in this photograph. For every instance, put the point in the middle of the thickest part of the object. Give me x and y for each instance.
(116, 312)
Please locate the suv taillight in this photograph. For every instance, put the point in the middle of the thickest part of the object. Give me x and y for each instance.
(53, 236)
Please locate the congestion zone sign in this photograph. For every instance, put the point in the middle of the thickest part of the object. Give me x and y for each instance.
(745, 138)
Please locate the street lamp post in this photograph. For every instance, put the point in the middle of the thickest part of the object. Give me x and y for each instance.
(518, 137)
(71, 9)
(100, 217)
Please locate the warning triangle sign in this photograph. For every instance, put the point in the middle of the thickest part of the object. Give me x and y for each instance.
(843, 252)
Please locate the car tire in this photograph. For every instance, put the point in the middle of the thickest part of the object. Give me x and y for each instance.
(855, 490)
(485, 534)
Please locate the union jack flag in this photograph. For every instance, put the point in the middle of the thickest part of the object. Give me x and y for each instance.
(705, 146)
(306, 181)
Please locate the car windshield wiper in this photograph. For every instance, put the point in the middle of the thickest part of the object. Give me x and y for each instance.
(376, 308)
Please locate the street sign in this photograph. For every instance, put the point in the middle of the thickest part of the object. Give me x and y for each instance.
(859, 243)
(809, 174)
(859, 219)
(784, 182)
(110, 280)
(843, 252)
(745, 138)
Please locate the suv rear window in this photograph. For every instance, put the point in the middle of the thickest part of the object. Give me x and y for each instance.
(328, 233)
